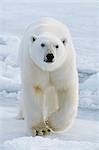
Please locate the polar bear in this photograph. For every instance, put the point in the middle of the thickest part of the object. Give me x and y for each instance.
(49, 77)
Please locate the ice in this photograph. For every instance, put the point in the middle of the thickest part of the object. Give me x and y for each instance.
(8, 84)
(91, 83)
(9, 66)
(89, 92)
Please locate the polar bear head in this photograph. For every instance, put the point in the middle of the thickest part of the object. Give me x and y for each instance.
(47, 51)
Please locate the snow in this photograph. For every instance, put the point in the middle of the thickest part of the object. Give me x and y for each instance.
(39, 143)
(81, 17)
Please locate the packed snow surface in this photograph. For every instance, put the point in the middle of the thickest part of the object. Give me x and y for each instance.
(39, 143)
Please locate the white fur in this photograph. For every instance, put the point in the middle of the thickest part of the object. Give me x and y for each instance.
(50, 90)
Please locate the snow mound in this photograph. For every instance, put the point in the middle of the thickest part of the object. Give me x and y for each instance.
(43, 143)
(8, 84)
(89, 92)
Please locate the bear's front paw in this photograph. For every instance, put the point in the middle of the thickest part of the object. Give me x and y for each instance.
(45, 131)
(41, 131)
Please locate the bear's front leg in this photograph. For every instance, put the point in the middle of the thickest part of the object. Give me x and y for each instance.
(32, 107)
(63, 118)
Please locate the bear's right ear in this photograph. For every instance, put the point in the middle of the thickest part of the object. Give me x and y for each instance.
(33, 38)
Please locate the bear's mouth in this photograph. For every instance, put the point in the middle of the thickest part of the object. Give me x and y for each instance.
(48, 61)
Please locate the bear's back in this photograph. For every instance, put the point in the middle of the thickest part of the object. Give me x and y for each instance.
(48, 25)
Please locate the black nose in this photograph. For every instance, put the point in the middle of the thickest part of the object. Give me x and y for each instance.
(49, 57)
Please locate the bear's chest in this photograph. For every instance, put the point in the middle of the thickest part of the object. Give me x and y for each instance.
(61, 78)
(58, 79)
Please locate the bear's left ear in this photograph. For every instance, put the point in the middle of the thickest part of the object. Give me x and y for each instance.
(64, 41)
(34, 38)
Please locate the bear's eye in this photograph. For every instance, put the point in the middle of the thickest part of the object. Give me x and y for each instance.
(64, 41)
(33, 39)
(42, 45)
(57, 46)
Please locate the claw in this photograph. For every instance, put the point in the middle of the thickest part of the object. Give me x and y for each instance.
(49, 130)
(36, 132)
